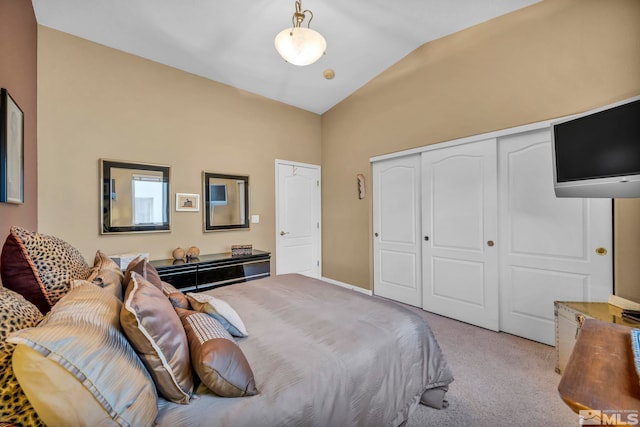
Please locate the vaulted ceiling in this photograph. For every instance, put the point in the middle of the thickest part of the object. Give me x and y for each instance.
(232, 42)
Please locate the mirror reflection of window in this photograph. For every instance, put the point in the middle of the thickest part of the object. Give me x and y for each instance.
(148, 207)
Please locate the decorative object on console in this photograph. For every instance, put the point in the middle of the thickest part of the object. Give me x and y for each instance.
(237, 250)
(11, 150)
(216, 358)
(40, 267)
(193, 252)
(187, 202)
(299, 45)
(178, 253)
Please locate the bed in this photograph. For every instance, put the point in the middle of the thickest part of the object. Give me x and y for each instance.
(322, 355)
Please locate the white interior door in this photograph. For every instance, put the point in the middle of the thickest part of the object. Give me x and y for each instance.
(396, 226)
(298, 244)
(549, 244)
(459, 219)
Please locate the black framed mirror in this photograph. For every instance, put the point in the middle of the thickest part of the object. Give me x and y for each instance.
(135, 197)
(226, 201)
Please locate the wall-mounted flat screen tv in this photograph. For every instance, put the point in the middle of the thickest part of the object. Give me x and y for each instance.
(597, 153)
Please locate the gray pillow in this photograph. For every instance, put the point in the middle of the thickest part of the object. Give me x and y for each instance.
(79, 361)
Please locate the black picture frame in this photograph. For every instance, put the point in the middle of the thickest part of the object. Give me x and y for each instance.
(11, 150)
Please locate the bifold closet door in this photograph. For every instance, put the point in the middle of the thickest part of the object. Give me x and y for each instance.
(396, 230)
(553, 249)
(460, 227)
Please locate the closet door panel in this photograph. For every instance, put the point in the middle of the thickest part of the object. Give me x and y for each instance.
(550, 244)
(459, 223)
(396, 227)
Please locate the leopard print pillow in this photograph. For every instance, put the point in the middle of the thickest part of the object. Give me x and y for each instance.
(40, 267)
(15, 313)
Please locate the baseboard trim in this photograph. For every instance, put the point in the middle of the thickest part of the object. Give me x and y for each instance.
(348, 286)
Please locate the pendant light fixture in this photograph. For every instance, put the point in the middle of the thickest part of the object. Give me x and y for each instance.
(299, 45)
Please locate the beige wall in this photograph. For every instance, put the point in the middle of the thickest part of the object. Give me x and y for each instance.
(18, 74)
(96, 102)
(545, 61)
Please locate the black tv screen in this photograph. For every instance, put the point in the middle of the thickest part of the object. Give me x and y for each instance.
(599, 145)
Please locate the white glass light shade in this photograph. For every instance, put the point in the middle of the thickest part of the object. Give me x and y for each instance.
(300, 46)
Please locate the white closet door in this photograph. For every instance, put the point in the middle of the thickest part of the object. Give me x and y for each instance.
(396, 227)
(549, 244)
(460, 257)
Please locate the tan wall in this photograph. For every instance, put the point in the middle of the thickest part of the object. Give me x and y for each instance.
(18, 74)
(96, 102)
(545, 61)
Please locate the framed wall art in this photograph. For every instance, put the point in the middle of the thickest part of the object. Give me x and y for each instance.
(187, 202)
(11, 150)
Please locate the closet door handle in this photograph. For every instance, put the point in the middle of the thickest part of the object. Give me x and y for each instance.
(490, 243)
(376, 234)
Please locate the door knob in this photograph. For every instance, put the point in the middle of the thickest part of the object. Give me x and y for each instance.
(282, 233)
(376, 234)
(601, 251)
(490, 243)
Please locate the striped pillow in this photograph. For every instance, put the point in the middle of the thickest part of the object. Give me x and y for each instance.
(78, 359)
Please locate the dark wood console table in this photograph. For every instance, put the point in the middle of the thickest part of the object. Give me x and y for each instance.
(211, 271)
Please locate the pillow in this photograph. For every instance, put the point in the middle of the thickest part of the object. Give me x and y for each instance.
(16, 313)
(40, 267)
(219, 362)
(220, 310)
(141, 266)
(155, 331)
(107, 274)
(177, 298)
(77, 368)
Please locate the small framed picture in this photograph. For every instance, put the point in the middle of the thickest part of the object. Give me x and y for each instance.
(187, 202)
(11, 150)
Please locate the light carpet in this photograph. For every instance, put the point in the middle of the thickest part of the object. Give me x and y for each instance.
(500, 380)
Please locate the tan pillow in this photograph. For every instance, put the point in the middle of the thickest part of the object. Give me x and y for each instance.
(40, 267)
(77, 356)
(155, 331)
(219, 362)
(107, 274)
(177, 298)
(141, 266)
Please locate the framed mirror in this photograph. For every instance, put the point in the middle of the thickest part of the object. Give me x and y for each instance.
(135, 197)
(226, 201)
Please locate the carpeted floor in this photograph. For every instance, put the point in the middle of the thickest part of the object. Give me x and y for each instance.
(500, 380)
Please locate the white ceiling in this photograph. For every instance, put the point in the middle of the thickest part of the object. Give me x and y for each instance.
(232, 41)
